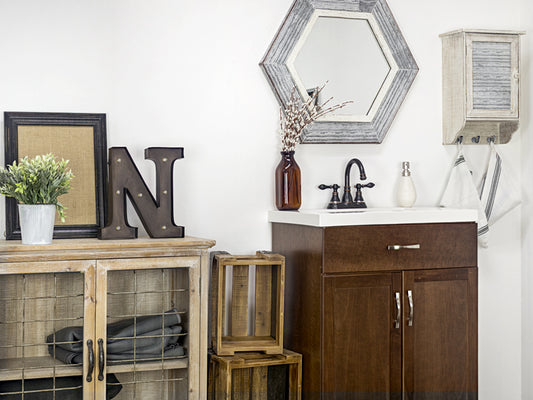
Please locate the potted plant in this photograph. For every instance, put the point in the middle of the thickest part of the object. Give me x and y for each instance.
(36, 184)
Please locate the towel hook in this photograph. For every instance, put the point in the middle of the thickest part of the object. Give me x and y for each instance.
(491, 139)
(475, 139)
(459, 140)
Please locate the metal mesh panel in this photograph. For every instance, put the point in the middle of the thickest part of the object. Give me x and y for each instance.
(33, 307)
(149, 357)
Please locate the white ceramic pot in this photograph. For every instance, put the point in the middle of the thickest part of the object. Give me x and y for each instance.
(37, 223)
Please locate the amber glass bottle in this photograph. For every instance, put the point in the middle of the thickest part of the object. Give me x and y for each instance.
(288, 190)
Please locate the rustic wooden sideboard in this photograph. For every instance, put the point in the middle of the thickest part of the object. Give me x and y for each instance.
(92, 302)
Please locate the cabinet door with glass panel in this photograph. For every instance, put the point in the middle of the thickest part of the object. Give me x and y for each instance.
(145, 311)
(38, 299)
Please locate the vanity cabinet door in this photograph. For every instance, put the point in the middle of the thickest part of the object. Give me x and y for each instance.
(440, 334)
(362, 337)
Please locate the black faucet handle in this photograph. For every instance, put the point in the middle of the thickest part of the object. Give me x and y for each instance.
(358, 201)
(368, 185)
(334, 202)
(324, 187)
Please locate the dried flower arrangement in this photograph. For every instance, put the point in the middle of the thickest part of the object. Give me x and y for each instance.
(299, 114)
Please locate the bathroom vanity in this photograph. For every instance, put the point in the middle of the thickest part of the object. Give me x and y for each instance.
(382, 303)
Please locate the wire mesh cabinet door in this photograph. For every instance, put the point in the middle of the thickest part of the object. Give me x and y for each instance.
(47, 313)
(148, 328)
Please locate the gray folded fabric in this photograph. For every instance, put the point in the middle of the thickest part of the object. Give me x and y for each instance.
(146, 343)
(171, 351)
(69, 357)
(143, 324)
(141, 338)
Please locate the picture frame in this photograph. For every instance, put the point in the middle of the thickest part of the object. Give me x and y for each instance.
(77, 137)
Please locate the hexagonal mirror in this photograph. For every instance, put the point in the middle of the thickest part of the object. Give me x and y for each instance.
(356, 48)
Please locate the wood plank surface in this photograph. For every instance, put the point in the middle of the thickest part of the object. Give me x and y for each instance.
(259, 383)
(241, 379)
(239, 300)
(263, 300)
(36, 367)
(90, 249)
(180, 363)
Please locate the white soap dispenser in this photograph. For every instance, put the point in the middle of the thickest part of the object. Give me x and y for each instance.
(406, 195)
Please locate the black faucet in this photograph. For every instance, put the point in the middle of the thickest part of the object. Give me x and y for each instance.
(347, 196)
(347, 199)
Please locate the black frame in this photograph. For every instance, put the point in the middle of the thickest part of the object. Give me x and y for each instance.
(12, 120)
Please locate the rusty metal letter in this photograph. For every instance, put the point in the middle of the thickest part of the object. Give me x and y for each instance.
(157, 214)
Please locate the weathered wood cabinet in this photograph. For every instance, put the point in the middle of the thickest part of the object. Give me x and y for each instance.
(86, 286)
(481, 85)
(382, 311)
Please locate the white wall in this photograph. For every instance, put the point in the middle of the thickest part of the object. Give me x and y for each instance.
(527, 208)
(177, 73)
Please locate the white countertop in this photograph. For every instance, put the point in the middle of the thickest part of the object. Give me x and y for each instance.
(373, 216)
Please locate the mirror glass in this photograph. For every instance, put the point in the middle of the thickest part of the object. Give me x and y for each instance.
(345, 53)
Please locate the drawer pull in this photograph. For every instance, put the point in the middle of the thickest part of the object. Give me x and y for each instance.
(402, 246)
(398, 310)
(411, 308)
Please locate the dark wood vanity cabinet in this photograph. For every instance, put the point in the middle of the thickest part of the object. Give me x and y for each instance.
(375, 320)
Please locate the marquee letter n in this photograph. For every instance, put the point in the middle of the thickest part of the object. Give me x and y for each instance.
(156, 214)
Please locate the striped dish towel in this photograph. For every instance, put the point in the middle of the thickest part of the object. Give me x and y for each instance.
(499, 189)
(461, 192)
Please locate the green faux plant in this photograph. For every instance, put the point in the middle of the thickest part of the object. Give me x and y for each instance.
(40, 180)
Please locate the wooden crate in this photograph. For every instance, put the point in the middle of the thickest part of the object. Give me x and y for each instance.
(256, 376)
(263, 331)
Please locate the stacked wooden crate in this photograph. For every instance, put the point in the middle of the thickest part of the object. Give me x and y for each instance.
(261, 368)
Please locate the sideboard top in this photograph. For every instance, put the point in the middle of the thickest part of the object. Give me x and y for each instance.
(69, 249)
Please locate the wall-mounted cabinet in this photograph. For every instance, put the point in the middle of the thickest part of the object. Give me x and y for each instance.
(481, 85)
(104, 319)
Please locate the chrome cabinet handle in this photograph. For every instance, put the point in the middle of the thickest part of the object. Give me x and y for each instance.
(398, 311)
(411, 308)
(402, 246)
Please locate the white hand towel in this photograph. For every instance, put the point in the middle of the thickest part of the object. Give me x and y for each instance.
(461, 192)
(499, 189)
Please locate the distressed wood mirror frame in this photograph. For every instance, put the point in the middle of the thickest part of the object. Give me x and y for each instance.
(277, 67)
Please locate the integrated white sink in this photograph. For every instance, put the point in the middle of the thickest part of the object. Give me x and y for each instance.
(373, 216)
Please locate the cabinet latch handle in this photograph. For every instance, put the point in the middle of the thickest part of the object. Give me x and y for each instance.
(398, 310)
(101, 359)
(91, 360)
(411, 308)
(403, 246)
